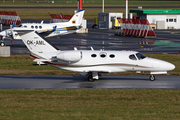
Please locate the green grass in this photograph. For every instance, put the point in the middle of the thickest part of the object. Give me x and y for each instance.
(43, 13)
(89, 13)
(24, 65)
(90, 2)
(90, 104)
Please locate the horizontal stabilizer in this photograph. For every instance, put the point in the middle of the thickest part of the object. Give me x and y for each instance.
(40, 61)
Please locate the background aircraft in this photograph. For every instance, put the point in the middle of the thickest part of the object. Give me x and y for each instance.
(73, 25)
(91, 62)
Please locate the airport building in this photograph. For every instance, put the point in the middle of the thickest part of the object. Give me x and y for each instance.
(106, 20)
(160, 19)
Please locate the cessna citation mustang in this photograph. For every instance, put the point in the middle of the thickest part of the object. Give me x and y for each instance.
(91, 62)
(73, 25)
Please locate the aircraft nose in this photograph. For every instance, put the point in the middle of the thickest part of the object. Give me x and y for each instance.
(171, 66)
(168, 66)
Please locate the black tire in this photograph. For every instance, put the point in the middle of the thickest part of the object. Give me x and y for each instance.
(152, 77)
(90, 78)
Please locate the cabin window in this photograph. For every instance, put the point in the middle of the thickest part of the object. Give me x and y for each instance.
(40, 27)
(32, 27)
(36, 27)
(112, 56)
(25, 26)
(174, 20)
(102, 54)
(132, 57)
(140, 56)
(93, 55)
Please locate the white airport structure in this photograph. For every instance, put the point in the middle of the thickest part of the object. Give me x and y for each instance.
(106, 19)
(160, 19)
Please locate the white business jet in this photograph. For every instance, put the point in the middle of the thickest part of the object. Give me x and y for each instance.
(73, 25)
(91, 62)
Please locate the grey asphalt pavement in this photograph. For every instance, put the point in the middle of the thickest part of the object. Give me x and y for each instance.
(69, 81)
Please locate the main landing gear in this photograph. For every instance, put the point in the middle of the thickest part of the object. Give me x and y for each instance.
(93, 76)
(152, 77)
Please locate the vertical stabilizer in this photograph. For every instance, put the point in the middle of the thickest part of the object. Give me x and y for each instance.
(35, 43)
(76, 20)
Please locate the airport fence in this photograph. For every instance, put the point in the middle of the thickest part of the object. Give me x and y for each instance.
(60, 18)
(135, 27)
(9, 17)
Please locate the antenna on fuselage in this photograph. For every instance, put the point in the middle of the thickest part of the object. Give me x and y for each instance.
(75, 48)
(92, 48)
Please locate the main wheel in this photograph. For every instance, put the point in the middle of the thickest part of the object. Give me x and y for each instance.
(152, 77)
(90, 78)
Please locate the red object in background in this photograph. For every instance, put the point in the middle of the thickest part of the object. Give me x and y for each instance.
(10, 17)
(80, 4)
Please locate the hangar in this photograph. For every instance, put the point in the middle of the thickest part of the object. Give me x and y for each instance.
(160, 19)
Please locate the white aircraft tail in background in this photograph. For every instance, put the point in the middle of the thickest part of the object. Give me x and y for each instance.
(76, 19)
(72, 26)
(92, 62)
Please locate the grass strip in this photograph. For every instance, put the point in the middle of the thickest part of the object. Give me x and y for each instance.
(90, 2)
(85, 104)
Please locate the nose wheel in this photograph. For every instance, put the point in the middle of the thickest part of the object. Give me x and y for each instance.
(2, 41)
(152, 77)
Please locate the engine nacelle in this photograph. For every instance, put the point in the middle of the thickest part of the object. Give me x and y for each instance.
(70, 56)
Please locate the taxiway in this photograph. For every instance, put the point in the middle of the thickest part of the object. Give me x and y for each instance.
(69, 81)
(167, 41)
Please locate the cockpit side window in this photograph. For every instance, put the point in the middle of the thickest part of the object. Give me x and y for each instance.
(132, 57)
(140, 56)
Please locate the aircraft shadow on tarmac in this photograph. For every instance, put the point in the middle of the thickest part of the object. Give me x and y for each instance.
(72, 78)
(105, 78)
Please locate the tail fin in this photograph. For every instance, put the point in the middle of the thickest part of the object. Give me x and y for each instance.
(76, 20)
(35, 43)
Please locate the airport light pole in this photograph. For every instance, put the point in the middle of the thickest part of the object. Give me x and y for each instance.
(126, 9)
(102, 5)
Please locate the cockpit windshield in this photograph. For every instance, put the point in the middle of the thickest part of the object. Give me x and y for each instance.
(140, 56)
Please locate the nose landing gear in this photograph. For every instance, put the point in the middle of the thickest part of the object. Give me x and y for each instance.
(152, 77)
(2, 41)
